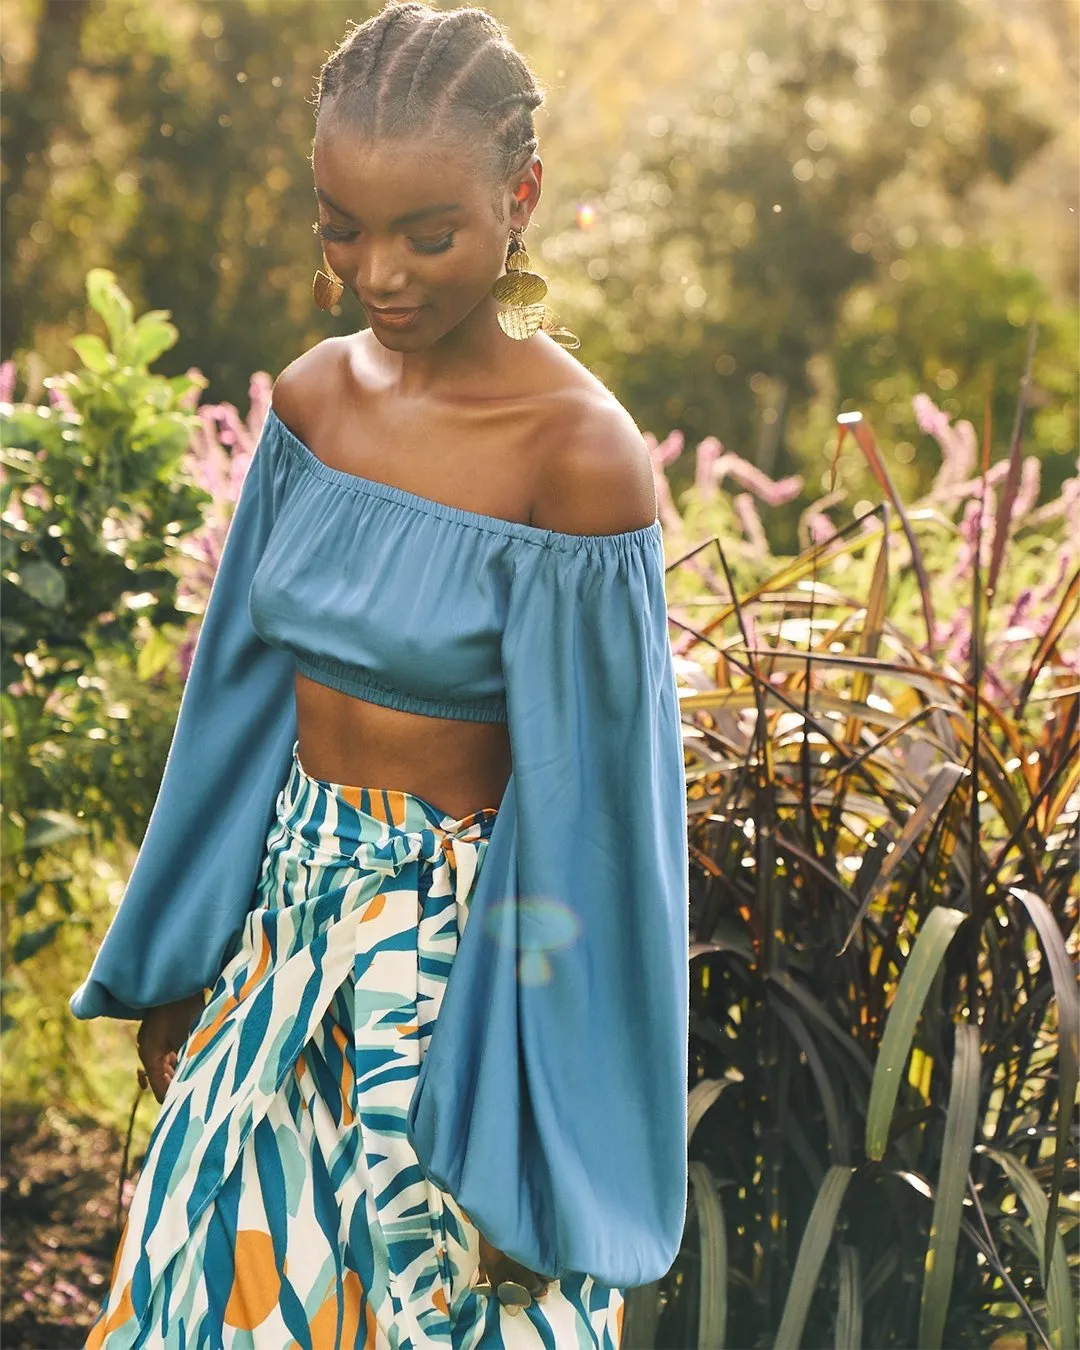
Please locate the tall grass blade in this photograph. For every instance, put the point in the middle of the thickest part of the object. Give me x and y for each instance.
(1060, 1308)
(956, 1149)
(712, 1313)
(926, 956)
(1063, 616)
(1068, 1016)
(835, 1121)
(1012, 476)
(864, 438)
(849, 1315)
(850, 538)
(641, 1317)
(808, 1263)
(941, 785)
(873, 623)
(700, 1097)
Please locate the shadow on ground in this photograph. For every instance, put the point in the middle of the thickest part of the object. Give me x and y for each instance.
(58, 1230)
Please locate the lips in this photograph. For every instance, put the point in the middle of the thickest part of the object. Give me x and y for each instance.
(393, 318)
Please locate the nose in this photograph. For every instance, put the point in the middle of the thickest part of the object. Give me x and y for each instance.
(379, 272)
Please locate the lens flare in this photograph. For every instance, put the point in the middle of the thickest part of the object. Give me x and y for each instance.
(534, 927)
(586, 216)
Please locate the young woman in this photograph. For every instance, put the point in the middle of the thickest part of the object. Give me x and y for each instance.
(422, 829)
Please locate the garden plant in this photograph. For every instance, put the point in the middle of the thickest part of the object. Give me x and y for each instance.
(880, 738)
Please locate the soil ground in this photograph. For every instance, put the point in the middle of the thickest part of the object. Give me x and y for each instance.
(58, 1230)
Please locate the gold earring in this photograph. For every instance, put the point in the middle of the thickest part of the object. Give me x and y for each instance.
(521, 292)
(327, 288)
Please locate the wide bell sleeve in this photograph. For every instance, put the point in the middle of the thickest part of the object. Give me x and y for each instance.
(198, 865)
(551, 1103)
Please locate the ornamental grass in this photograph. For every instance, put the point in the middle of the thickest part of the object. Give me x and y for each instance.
(883, 826)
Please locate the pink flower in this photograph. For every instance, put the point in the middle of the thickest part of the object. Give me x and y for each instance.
(751, 523)
(773, 492)
(1027, 494)
(60, 401)
(818, 526)
(707, 455)
(958, 444)
(218, 459)
(666, 451)
(670, 519)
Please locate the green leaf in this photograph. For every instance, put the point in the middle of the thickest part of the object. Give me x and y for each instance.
(46, 828)
(31, 943)
(155, 655)
(93, 353)
(701, 1096)
(926, 956)
(1060, 1308)
(107, 299)
(849, 1310)
(835, 1121)
(960, 1122)
(149, 337)
(641, 1317)
(44, 583)
(712, 1236)
(1068, 1002)
(808, 1263)
(938, 792)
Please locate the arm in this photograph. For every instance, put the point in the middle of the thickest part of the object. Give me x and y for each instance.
(197, 867)
(552, 1101)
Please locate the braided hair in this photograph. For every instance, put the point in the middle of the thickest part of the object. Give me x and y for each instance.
(415, 70)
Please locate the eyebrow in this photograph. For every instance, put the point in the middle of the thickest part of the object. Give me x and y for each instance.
(409, 218)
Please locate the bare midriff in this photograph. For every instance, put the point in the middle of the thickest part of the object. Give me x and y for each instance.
(458, 766)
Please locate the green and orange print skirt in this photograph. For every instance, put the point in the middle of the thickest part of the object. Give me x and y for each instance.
(279, 1205)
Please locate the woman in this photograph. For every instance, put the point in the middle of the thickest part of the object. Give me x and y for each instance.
(443, 582)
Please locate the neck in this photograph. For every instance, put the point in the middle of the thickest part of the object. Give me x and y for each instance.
(475, 353)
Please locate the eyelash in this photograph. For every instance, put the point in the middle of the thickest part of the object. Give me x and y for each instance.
(333, 236)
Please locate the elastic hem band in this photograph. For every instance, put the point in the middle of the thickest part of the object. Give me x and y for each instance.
(336, 675)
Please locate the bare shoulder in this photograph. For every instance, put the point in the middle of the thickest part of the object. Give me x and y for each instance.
(596, 476)
(309, 384)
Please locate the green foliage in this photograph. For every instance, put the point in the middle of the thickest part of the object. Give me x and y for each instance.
(94, 501)
(884, 907)
(934, 329)
(739, 241)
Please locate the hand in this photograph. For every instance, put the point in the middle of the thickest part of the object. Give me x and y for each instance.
(496, 1266)
(161, 1033)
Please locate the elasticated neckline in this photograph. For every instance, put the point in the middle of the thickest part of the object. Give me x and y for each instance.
(496, 525)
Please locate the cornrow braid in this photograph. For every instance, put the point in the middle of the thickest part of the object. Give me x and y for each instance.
(446, 29)
(414, 70)
(358, 55)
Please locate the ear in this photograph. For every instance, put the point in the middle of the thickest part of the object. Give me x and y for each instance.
(524, 190)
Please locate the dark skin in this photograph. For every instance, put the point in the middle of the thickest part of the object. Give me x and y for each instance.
(451, 409)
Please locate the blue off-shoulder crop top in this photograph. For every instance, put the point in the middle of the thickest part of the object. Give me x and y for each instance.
(554, 1109)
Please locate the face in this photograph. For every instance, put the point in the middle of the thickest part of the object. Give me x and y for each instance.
(413, 230)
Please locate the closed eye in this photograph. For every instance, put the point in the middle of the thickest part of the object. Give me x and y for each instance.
(332, 235)
(436, 246)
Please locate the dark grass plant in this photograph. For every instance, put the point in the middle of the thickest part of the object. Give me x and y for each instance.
(883, 1036)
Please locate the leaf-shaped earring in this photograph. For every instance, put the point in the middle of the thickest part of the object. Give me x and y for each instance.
(327, 288)
(520, 291)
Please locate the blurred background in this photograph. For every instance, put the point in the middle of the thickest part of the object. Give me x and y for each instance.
(757, 214)
(752, 211)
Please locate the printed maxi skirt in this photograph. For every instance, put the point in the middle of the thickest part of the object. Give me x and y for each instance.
(280, 1206)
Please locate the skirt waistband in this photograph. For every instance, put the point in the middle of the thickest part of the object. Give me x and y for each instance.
(365, 812)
